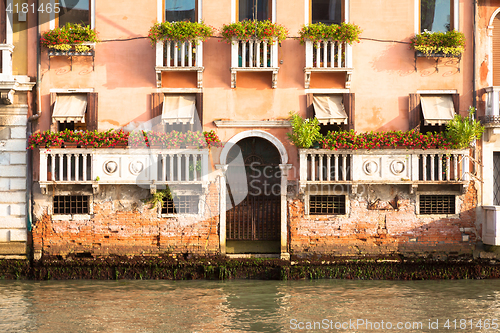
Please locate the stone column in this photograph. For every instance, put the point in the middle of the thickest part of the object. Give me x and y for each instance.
(222, 207)
(284, 212)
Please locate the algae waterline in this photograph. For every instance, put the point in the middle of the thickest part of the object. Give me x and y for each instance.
(222, 268)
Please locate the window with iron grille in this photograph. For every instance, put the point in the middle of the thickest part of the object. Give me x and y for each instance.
(327, 205)
(71, 204)
(437, 204)
(182, 204)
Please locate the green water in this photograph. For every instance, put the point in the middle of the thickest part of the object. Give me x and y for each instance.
(249, 306)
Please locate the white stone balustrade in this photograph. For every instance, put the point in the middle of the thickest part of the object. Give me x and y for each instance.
(328, 56)
(123, 166)
(254, 55)
(383, 166)
(179, 56)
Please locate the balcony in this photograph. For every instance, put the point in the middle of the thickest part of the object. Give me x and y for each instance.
(384, 166)
(114, 166)
(328, 57)
(254, 56)
(179, 56)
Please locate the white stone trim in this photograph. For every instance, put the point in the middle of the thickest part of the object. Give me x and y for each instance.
(92, 14)
(347, 11)
(159, 10)
(327, 91)
(71, 91)
(52, 16)
(252, 123)
(179, 90)
(437, 92)
(9, 22)
(416, 17)
(253, 133)
(234, 9)
(456, 17)
(489, 39)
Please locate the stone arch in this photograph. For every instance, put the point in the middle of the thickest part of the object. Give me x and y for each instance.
(254, 133)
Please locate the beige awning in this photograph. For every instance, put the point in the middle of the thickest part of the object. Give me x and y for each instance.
(178, 109)
(70, 107)
(329, 109)
(437, 110)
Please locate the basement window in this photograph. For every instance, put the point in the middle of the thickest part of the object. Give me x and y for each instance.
(327, 205)
(71, 204)
(436, 204)
(182, 204)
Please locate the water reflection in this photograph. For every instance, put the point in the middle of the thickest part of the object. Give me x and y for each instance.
(236, 306)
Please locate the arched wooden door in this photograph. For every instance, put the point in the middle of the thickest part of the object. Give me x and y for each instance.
(253, 225)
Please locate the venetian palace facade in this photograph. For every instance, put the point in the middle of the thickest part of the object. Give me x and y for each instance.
(91, 201)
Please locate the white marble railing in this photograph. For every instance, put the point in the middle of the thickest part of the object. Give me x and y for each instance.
(383, 165)
(254, 54)
(328, 54)
(6, 62)
(187, 54)
(123, 166)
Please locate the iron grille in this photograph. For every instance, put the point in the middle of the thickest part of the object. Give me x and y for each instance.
(327, 204)
(71, 204)
(437, 204)
(496, 179)
(183, 204)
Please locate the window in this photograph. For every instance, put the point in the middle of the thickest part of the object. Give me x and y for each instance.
(335, 112)
(436, 15)
(180, 10)
(430, 112)
(74, 111)
(254, 10)
(436, 204)
(326, 11)
(182, 204)
(327, 205)
(74, 11)
(178, 112)
(71, 204)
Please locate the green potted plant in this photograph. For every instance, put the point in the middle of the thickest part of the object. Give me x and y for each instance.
(462, 131)
(180, 31)
(318, 32)
(258, 30)
(71, 36)
(450, 43)
(305, 132)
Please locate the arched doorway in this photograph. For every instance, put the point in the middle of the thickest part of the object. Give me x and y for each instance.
(254, 224)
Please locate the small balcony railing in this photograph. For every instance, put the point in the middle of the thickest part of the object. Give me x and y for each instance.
(328, 56)
(254, 55)
(123, 166)
(179, 56)
(492, 112)
(382, 166)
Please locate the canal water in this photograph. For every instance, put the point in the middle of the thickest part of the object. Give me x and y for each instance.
(250, 306)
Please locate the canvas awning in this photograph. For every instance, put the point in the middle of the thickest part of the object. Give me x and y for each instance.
(70, 107)
(178, 109)
(329, 109)
(437, 110)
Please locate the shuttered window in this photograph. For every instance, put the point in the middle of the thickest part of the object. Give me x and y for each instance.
(496, 51)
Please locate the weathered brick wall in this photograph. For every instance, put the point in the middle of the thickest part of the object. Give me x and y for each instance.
(122, 224)
(383, 231)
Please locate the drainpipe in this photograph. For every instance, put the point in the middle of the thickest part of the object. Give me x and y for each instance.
(474, 103)
(29, 160)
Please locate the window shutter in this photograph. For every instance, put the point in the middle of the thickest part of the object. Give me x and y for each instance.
(456, 102)
(3, 34)
(53, 125)
(496, 50)
(156, 105)
(349, 110)
(414, 116)
(92, 120)
(309, 106)
(199, 107)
